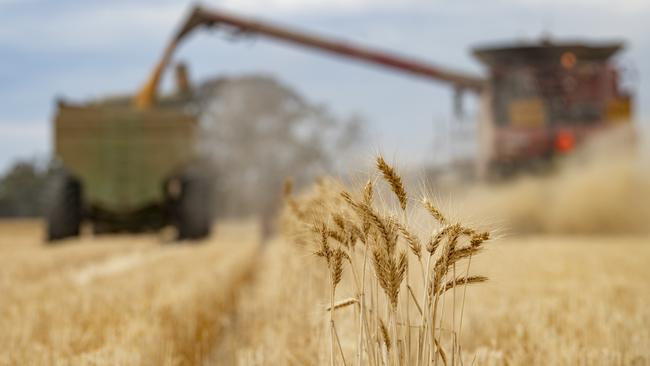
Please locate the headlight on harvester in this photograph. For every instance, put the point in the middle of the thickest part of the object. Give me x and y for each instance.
(564, 141)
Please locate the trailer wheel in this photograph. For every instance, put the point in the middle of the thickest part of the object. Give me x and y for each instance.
(64, 207)
(192, 211)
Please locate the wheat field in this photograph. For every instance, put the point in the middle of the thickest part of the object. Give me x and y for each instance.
(117, 300)
(558, 300)
(548, 299)
(356, 276)
(551, 300)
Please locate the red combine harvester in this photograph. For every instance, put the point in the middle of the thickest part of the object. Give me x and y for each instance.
(545, 98)
(539, 100)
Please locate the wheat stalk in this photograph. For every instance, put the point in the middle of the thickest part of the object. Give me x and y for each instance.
(339, 221)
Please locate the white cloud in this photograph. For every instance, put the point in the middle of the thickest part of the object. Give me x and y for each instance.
(623, 5)
(314, 6)
(112, 24)
(105, 25)
(342, 6)
(22, 140)
(11, 130)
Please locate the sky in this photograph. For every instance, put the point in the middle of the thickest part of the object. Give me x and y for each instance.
(80, 50)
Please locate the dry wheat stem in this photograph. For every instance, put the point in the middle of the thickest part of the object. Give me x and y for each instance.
(361, 296)
(384, 334)
(425, 316)
(415, 301)
(441, 352)
(440, 324)
(408, 311)
(363, 318)
(338, 342)
(332, 290)
(359, 292)
(453, 314)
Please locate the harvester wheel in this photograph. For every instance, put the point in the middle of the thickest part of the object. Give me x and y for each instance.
(64, 207)
(192, 207)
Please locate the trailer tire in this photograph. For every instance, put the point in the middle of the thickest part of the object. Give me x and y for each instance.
(192, 208)
(64, 210)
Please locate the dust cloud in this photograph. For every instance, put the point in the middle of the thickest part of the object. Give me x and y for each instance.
(604, 189)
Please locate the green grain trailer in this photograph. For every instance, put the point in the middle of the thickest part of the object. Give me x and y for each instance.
(127, 169)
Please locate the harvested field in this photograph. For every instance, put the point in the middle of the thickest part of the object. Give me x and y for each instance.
(112, 300)
(558, 300)
(550, 300)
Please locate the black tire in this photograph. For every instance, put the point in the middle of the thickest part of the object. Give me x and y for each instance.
(64, 207)
(192, 208)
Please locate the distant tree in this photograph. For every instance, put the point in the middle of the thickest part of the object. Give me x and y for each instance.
(22, 188)
(258, 131)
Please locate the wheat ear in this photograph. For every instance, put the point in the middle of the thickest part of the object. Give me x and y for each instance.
(394, 180)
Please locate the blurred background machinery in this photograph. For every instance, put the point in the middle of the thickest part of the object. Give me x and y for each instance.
(131, 163)
(545, 98)
(128, 169)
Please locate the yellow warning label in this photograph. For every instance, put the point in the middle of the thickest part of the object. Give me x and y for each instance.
(527, 113)
(619, 110)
